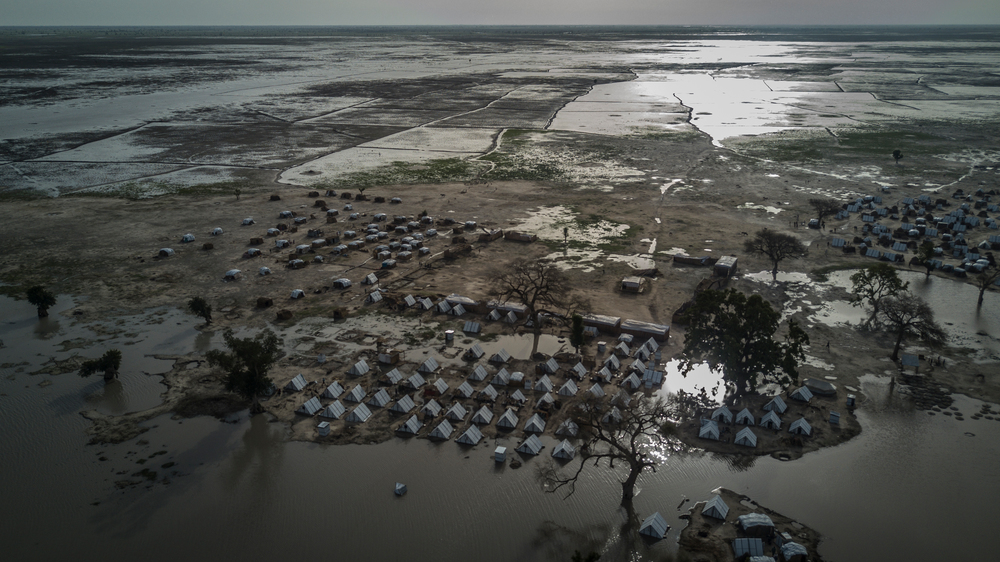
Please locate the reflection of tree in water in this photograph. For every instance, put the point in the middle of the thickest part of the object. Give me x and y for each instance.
(555, 542)
(112, 397)
(257, 463)
(736, 463)
(46, 328)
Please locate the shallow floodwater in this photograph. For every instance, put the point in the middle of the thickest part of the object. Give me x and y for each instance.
(239, 490)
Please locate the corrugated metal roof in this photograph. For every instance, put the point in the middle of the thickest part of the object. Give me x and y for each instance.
(403, 405)
(483, 416)
(442, 431)
(716, 508)
(535, 424)
(654, 526)
(310, 407)
(333, 391)
(465, 390)
(564, 450)
(471, 436)
(746, 437)
(359, 414)
(531, 446)
(508, 419)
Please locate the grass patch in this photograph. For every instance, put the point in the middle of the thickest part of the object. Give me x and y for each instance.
(511, 167)
(16, 195)
(432, 171)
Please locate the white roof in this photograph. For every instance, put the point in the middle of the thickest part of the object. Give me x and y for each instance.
(403, 405)
(483, 416)
(568, 427)
(335, 411)
(298, 294)
(746, 437)
(296, 384)
(466, 390)
(471, 436)
(654, 526)
(356, 394)
(457, 412)
(431, 407)
(535, 424)
(359, 414)
(531, 446)
(311, 406)
(568, 389)
(380, 399)
(442, 431)
(333, 391)
(508, 419)
(564, 450)
(411, 425)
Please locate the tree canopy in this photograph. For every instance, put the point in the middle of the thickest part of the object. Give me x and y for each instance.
(824, 207)
(897, 155)
(200, 307)
(986, 279)
(540, 287)
(109, 363)
(906, 314)
(925, 253)
(735, 334)
(247, 362)
(41, 298)
(873, 284)
(775, 246)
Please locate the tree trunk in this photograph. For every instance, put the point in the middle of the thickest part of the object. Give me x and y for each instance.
(536, 329)
(44, 312)
(110, 376)
(628, 486)
(982, 290)
(899, 342)
(774, 272)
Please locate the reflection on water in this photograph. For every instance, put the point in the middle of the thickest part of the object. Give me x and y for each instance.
(46, 328)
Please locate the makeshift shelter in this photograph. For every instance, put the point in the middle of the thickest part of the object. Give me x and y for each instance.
(500, 357)
(654, 526)
(613, 416)
(621, 398)
(428, 366)
(341, 283)
(746, 437)
(394, 376)
(400, 489)
(756, 525)
(356, 394)
(776, 404)
(359, 369)
(232, 275)
(516, 378)
(410, 301)
(800, 427)
(457, 412)
(473, 353)
(310, 407)
(444, 307)
(518, 397)
(166, 252)
(568, 389)
(296, 384)
(264, 271)
(493, 316)
(715, 508)
(544, 384)
(709, 430)
(298, 294)
(747, 547)
(360, 414)
(605, 374)
(770, 420)
(651, 378)
(472, 436)
(248, 221)
(410, 426)
(478, 374)
(568, 427)
(333, 391)
(373, 297)
(745, 417)
(465, 390)
(187, 238)
(535, 424)
(722, 415)
(370, 279)
(508, 420)
(334, 411)
(442, 431)
(793, 552)
(502, 378)
(612, 363)
(597, 391)
(511, 318)
(531, 446)
(489, 393)
(403, 406)
(431, 408)
(380, 399)
(564, 450)
(550, 366)
(483, 416)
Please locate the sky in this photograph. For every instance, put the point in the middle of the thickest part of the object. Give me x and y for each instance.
(482, 12)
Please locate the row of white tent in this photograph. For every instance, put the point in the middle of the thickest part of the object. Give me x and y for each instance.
(746, 437)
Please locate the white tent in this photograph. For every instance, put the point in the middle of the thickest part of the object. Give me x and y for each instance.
(535, 424)
(550, 366)
(800, 426)
(568, 389)
(709, 430)
(770, 420)
(298, 294)
(458, 310)
(356, 394)
(508, 420)
(426, 304)
(478, 374)
(333, 391)
(440, 386)
(442, 431)
(457, 412)
(502, 378)
(187, 238)
(531, 446)
(579, 370)
(597, 391)
(428, 366)
(488, 393)
(472, 436)
(310, 408)
(745, 417)
(564, 450)
(632, 382)
(431, 408)
(296, 384)
(746, 438)
(483, 416)
(264, 271)
(335, 411)
(403, 406)
(544, 384)
(654, 526)
(410, 426)
(568, 427)
(500, 357)
(722, 414)
(613, 416)
(465, 390)
(518, 396)
(545, 400)
(360, 368)
(801, 394)
(394, 376)
(474, 352)
(359, 414)
(380, 399)
(715, 508)
(416, 381)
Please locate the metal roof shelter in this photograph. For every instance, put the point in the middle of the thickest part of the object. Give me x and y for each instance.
(426, 304)
(334, 411)
(457, 412)
(654, 526)
(748, 546)
(359, 369)
(564, 450)
(370, 279)
(472, 328)
(715, 508)
(544, 384)
(605, 374)
(472, 436)
(838, 242)
(801, 394)
(637, 366)
(440, 386)
(493, 316)
(551, 366)
(458, 310)
(409, 301)
(770, 420)
(518, 396)
(776, 404)
(756, 524)
(465, 390)
(359, 414)
(502, 378)
(623, 350)
(746, 437)
(444, 307)
(745, 417)
(597, 391)
(612, 363)
(356, 394)
(333, 391)
(488, 393)
(652, 377)
(722, 414)
(545, 400)
(535, 424)
(568, 427)
(908, 360)
(659, 331)
(613, 416)
(801, 427)
(508, 420)
(568, 389)
(394, 376)
(442, 431)
(622, 398)
(500, 357)
(474, 352)
(380, 399)
(373, 297)
(431, 408)
(296, 384)
(511, 318)
(483, 416)
(416, 381)
(531, 446)
(709, 430)
(403, 406)
(632, 382)
(429, 366)
(310, 407)
(579, 370)
(478, 374)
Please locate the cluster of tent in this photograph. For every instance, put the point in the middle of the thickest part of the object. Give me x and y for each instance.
(770, 420)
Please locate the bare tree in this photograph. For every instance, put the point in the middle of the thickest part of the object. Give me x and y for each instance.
(907, 314)
(540, 287)
(871, 285)
(625, 433)
(824, 207)
(775, 246)
(986, 278)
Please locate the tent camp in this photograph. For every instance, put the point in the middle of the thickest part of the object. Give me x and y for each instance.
(440, 386)
(232, 275)
(359, 414)
(333, 391)
(442, 431)
(310, 408)
(612, 363)
(410, 426)
(403, 406)
(483, 416)
(597, 391)
(508, 420)
(416, 381)
(531, 446)
(801, 427)
(356, 394)
(457, 412)
(380, 399)
(296, 384)
(632, 382)
(489, 393)
(579, 370)
(472, 436)
(745, 417)
(568, 427)
(473, 353)
(722, 415)
(334, 411)
(654, 526)
(535, 424)
(715, 508)
(776, 405)
(564, 450)
(709, 430)
(478, 374)
(359, 369)
(770, 420)
(518, 397)
(746, 438)
(550, 366)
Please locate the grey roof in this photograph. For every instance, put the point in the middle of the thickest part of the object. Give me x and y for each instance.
(654, 526)
(478, 374)
(494, 315)
(394, 376)
(612, 363)
(416, 381)
(483, 416)
(722, 413)
(310, 407)
(770, 420)
(442, 431)
(472, 328)
(551, 366)
(475, 351)
(356, 394)
(489, 392)
(838, 242)
(652, 377)
(335, 411)
(441, 386)
(297, 383)
(544, 400)
(745, 417)
(471, 436)
(776, 404)
(502, 378)
(457, 412)
(458, 310)
(709, 430)
(465, 390)
(429, 366)
(621, 398)
(632, 381)
(531, 446)
(431, 407)
(579, 369)
(360, 368)
(746, 437)
(403, 405)
(333, 391)
(444, 307)
(801, 393)
(605, 374)
(751, 520)
(743, 546)
(596, 390)
(800, 426)
(564, 450)
(518, 396)
(374, 297)
(544, 384)
(716, 508)
(500, 357)
(359, 414)
(411, 426)
(380, 399)
(568, 389)
(535, 424)
(508, 419)
(613, 416)
(410, 301)
(790, 549)
(910, 360)
(568, 427)
(426, 303)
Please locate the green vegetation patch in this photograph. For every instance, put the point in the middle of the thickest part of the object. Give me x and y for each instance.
(432, 171)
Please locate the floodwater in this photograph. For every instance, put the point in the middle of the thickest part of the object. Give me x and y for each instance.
(239, 490)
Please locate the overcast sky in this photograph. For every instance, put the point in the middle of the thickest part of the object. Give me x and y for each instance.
(530, 12)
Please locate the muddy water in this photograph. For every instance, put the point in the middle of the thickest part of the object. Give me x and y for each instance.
(238, 490)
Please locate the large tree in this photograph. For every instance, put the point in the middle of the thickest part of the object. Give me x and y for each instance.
(200, 307)
(540, 287)
(824, 207)
(872, 285)
(615, 433)
(775, 246)
(925, 256)
(109, 363)
(41, 298)
(735, 333)
(986, 278)
(909, 315)
(247, 363)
